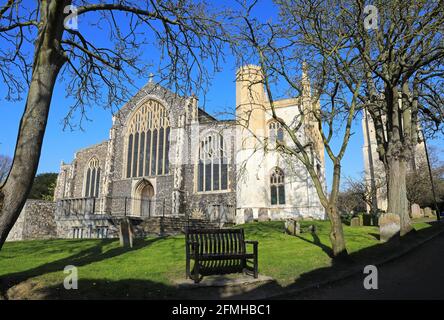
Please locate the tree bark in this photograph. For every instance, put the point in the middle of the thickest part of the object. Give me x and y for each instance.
(398, 153)
(397, 193)
(337, 232)
(48, 60)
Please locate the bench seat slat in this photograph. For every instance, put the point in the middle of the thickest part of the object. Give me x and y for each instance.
(224, 257)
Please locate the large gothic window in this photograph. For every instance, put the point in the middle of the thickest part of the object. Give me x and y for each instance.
(277, 186)
(92, 178)
(213, 164)
(148, 141)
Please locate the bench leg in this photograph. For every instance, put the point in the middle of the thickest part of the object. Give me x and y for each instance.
(187, 269)
(255, 261)
(196, 271)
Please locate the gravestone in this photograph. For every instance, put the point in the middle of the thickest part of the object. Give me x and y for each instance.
(416, 211)
(389, 226)
(355, 222)
(292, 227)
(428, 212)
(126, 233)
(263, 214)
(366, 219)
(311, 228)
(248, 215)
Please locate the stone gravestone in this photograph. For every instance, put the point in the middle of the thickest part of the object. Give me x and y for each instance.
(248, 215)
(292, 227)
(416, 211)
(389, 226)
(366, 219)
(263, 214)
(355, 222)
(126, 234)
(428, 212)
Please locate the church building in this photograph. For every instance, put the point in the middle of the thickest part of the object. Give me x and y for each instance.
(166, 157)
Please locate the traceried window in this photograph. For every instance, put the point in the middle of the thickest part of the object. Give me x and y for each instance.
(276, 132)
(148, 141)
(213, 164)
(277, 187)
(92, 178)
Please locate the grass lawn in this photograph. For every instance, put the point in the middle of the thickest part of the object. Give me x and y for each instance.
(149, 270)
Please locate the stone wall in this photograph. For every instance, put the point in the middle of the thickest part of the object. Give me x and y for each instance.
(85, 226)
(36, 221)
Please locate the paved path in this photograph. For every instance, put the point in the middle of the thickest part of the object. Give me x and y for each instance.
(417, 275)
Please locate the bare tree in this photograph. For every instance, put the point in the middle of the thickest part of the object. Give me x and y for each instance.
(397, 53)
(40, 44)
(403, 61)
(419, 185)
(365, 191)
(350, 201)
(400, 52)
(280, 50)
(5, 166)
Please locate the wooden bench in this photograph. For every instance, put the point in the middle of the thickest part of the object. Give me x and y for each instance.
(218, 251)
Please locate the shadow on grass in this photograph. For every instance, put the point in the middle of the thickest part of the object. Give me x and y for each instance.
(317, 242)
(340, 267)
(97, 289)
(84, 257)
(145, 289)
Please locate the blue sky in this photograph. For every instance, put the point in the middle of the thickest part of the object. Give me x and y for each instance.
(61, 144)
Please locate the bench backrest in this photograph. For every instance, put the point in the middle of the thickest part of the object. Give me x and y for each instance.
(216, 241)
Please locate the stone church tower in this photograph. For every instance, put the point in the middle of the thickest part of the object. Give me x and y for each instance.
(374, 168)
(271, 185)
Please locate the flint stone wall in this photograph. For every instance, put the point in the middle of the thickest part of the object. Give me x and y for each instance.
(36, 221)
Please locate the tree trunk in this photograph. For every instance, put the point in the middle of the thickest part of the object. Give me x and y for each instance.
(337, 232)
(397, 193)
(48, 59)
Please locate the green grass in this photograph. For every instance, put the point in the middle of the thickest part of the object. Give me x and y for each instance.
(149, 270)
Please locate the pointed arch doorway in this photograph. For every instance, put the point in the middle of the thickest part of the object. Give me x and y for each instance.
(143, 199)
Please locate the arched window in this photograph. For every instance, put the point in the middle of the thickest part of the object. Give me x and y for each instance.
(276, 132)
(92, 178)
(148, 141)
(213, 164)
(277, 187)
